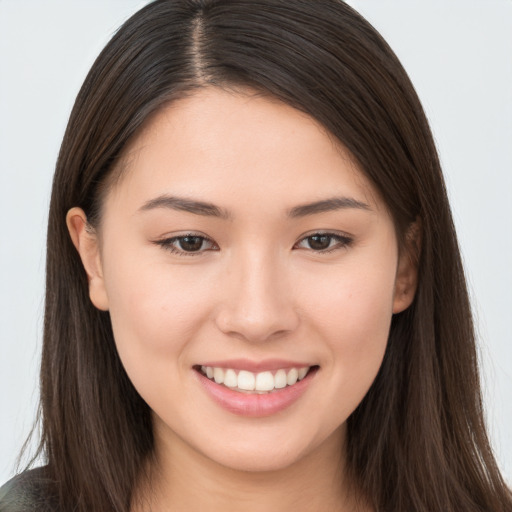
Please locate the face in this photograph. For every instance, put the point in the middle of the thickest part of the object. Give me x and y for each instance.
(243, 243)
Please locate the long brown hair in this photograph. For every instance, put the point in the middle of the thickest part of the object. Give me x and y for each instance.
(417, 442)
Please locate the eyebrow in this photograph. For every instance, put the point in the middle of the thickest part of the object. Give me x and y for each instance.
(186, 205)
(327, 205)
(211, 210)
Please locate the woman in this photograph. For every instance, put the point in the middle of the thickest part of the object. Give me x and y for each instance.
(254, 293)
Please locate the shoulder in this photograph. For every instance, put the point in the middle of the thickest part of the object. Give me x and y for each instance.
(29, 491)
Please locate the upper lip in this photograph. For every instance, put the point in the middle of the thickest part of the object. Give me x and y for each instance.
(256, 366)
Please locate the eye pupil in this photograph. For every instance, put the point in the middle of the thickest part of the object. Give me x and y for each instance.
(191, 243)
(319, 242)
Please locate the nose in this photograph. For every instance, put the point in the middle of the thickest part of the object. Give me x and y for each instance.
(258, 300)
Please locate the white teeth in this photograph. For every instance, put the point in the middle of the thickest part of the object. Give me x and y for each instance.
(246, 380)
(292, 377)
(230, 379)
(261, 383)
(264, 381)
(280, 379)
(218, 375)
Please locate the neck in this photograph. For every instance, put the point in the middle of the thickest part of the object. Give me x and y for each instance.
(184, 479)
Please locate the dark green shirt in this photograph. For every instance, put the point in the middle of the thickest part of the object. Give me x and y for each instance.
(29, 491)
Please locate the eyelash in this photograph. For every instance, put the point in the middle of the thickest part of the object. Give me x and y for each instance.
(343, 241)
(169, 244)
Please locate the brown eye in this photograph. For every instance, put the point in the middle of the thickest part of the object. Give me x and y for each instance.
(324, 242)
(190, 243)
(319, 242)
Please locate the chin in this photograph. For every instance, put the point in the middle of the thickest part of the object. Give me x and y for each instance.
(267, 453)
(257, 461)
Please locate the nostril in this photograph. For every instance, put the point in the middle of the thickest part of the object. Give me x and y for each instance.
(257, 327)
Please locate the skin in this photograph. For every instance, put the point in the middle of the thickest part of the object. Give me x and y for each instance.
(259, 290)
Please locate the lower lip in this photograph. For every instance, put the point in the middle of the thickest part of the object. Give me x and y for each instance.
(255, 405)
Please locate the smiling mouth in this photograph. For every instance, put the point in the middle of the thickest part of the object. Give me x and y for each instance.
(265, 382)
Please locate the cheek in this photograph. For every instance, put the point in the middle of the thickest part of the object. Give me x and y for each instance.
(355, 299)
(154, 311)
(353, 316)
(356, 337)
(155, 314)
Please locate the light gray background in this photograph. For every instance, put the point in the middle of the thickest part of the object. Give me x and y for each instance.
(459, 56)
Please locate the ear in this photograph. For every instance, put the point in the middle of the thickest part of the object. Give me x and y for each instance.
(86, 243)
(406, 280)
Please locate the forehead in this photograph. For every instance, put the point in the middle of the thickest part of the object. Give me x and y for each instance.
(217, 142)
